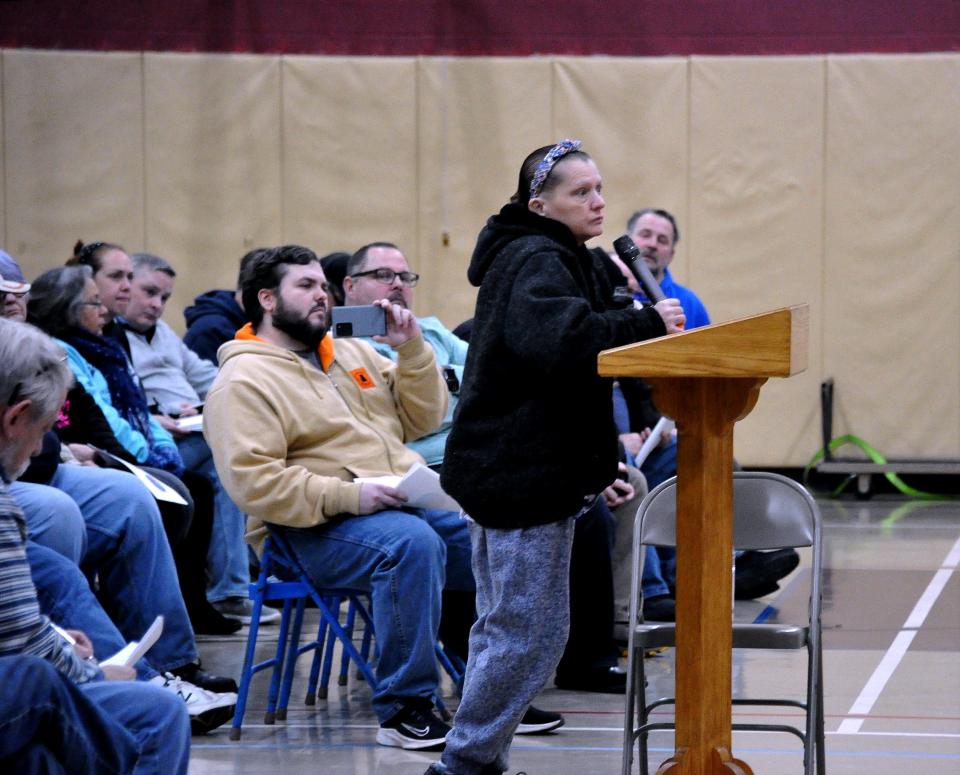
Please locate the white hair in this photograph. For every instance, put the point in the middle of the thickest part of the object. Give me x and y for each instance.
(34, 367)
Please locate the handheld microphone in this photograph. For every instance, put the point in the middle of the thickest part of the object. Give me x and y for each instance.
(630, 254)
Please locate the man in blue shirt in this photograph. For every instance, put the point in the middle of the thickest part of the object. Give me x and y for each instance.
(655, 232)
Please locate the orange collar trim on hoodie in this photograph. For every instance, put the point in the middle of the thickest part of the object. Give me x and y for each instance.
(325, 350)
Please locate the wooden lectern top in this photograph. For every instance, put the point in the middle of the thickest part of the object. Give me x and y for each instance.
(771, 344)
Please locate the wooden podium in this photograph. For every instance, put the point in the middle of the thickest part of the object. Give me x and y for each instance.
(707, 379)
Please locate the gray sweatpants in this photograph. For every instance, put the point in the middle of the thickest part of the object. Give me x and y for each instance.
(523, 618)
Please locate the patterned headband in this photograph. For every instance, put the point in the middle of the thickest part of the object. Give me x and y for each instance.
(85, 256)
(554, 155)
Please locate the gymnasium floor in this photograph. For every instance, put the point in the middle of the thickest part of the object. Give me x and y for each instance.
(891, 624)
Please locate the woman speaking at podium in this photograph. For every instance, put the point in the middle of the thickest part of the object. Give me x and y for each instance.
(533, 439)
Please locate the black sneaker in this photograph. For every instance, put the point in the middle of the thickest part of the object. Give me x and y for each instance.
(659, 608)
(756, 573)
(603, 680)
(413, 729)
(539, 722)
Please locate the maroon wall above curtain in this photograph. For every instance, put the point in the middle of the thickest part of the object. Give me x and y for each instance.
(486, 27)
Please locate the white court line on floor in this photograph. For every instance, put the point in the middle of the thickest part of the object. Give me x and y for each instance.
(891, 659)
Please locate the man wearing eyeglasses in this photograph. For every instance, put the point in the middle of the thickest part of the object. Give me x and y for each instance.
(380, 271)
(13, 288)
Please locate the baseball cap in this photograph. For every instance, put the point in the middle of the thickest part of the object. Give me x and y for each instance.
(11, 276)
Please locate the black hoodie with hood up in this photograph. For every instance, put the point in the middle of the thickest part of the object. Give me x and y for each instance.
(212, 319)
(533, 433)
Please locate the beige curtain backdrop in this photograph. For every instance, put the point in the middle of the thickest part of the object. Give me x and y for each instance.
(830, 180)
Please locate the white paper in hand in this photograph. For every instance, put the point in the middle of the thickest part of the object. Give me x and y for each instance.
(135, 649)
(664, 424)
(159, 490)
(420, 484)
(192, 423)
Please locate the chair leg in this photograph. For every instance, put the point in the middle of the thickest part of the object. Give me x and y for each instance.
(246, 675)
(447, 664)
(340, 635)
(290, 663)
(334, 608)
(367, 642)
(274, 691)
(629, 702)
(318, 650)
(348, 628)
(642, 716)
(821, 737)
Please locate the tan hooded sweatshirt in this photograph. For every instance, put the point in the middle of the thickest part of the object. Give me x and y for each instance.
(289, 439)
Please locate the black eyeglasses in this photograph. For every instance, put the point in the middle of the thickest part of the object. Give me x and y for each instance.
(15, 294)
(387, 276)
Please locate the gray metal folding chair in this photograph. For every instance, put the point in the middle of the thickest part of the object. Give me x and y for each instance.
(769, 512)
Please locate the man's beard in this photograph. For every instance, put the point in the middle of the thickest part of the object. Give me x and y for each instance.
(396, 297)
(298, 327)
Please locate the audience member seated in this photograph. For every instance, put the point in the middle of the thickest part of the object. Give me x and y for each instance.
(176, 380)
(294, 461)
(13, 288)
(656, 234)
(335, 269)
(65, 303)
(33, 386)
(216, 316)
(114, 507)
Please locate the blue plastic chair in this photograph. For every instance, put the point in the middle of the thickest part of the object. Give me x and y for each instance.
(278, 558)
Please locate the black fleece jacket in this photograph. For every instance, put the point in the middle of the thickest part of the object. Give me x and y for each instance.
(533, 433)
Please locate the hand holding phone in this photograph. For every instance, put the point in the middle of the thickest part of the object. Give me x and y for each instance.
(365, 320)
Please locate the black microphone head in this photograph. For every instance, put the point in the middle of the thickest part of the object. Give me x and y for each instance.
(626, 248)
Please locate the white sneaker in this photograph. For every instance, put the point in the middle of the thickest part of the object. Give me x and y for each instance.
(207, 710)
(241, 609)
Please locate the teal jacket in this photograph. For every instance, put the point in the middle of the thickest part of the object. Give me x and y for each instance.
(450, 351)
(96, 385)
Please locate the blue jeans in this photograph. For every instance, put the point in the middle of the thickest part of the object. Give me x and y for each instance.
(227, 565)
(155, 717)
(64, 595)
(660, 563)
(660, 464)
(128, 548)
(53, 518)
(48, 724)
(402, 559)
